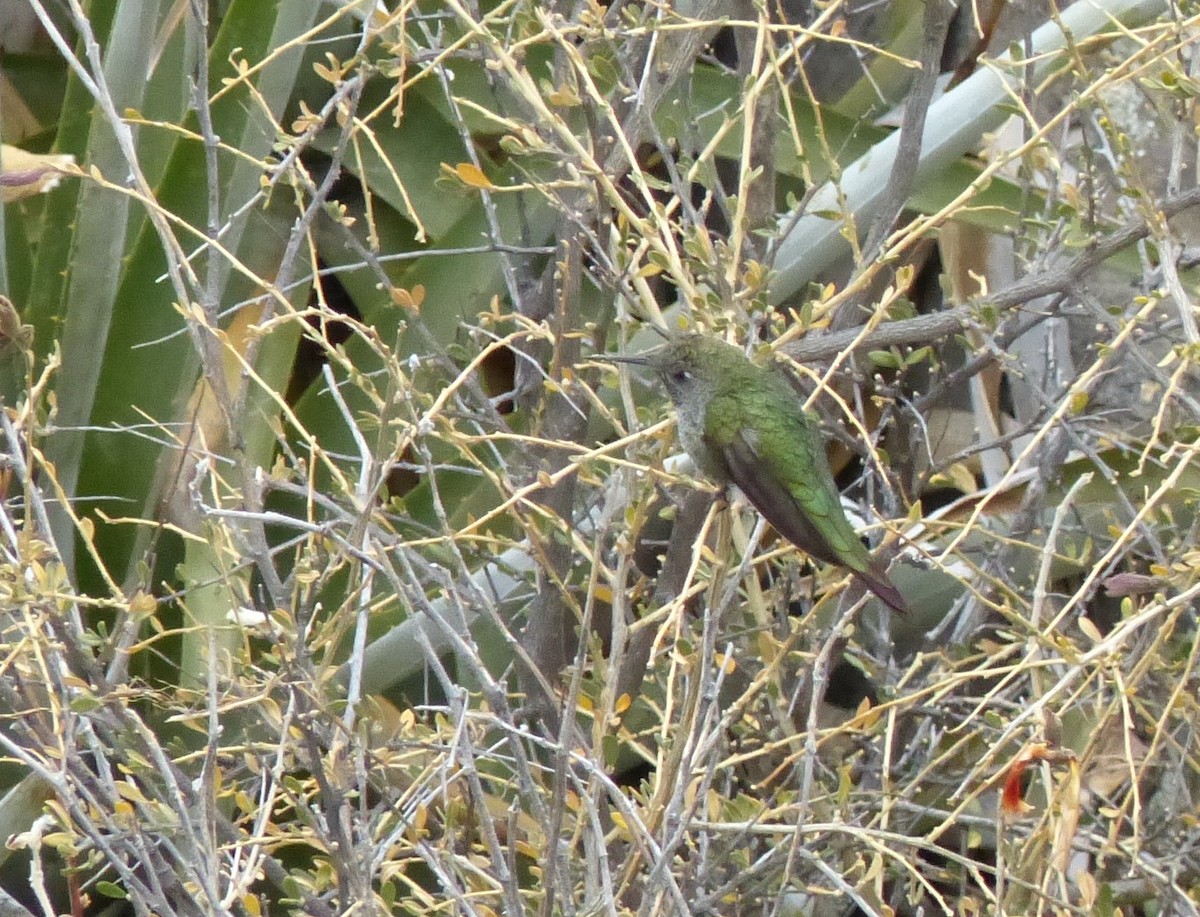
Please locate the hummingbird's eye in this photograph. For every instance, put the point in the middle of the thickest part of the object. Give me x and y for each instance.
(680, 376)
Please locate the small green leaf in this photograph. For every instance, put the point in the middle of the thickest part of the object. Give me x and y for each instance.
(610, 747)
(85, 703)
(920, 355)
(884, 359)
(111, 890)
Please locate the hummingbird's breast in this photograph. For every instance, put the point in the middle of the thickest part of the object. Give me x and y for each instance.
(692, 437)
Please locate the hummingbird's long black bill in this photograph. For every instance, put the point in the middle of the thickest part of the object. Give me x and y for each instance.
(632, 360)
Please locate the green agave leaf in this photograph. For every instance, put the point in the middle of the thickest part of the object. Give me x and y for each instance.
(457, 289)
(955, 125)
(124, 328)
(898, 29)
(714, 95)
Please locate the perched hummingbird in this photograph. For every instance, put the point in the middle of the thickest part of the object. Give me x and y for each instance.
(743, 424)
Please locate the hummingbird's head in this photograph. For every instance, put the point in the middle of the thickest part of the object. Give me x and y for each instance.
(692, 367)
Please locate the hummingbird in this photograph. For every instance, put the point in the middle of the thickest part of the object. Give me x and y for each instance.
(743, 424)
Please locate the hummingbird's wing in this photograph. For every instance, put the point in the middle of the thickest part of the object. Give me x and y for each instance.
(800, 498)
(811, 519)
